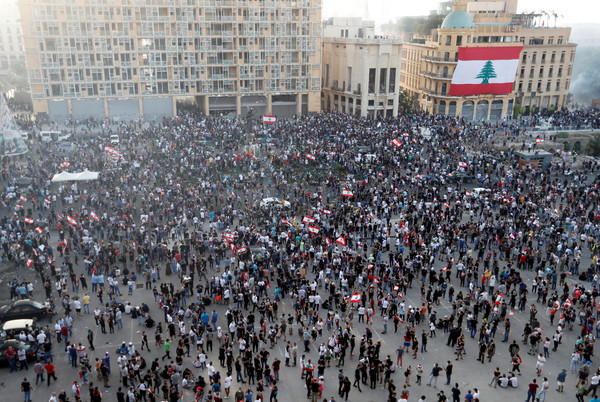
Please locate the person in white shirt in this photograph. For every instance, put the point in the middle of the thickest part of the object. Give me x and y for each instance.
(503, 382)
(545, 385)
(540, 363)
(514, 381)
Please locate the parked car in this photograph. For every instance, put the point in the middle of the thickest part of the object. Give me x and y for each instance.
(457, 176)
(23, 309)
(30, 351)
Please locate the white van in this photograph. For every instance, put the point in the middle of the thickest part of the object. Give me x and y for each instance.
(48, 136)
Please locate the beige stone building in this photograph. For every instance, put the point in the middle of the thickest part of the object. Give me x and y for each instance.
(138, 58)
(361, 71)
(543, 75)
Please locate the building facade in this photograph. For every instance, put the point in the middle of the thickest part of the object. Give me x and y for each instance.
(11, 45)
(543, 74)
(361, 71)
(138, 58)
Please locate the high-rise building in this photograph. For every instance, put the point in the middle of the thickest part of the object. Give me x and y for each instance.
(11, 46)
(138, 58)
(360, 69)
(544, 68)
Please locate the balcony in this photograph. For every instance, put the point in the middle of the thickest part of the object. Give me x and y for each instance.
(438, 94)
(450, 60)
(429, 74)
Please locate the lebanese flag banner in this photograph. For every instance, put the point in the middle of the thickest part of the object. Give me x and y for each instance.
(347, 193)
(485, 70)
(355, 298)
(539, 140)
(232, 247)
(308, 219)
(396, 143)
(328, 242)
(242, 250)
(23, 198)
(39, 230)
(28, 220)
(29, 263)
(462, 164)
(285, 222)
(65, 164)
(71, 220)
(47, 201)
(94, 216)
(18, 206)
(327, 212)
(269, 119)
(313, 229)
(468, 193)
(311, 157)
(341, 240)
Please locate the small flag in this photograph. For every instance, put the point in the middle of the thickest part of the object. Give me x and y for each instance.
(29, 220)
(94, 216)
(468, 193)
(65, 164)
(313, 229)
(341, 240)
(71, 220)
(19, 206)
(269, 119)
(447, 205)
(539, 140)
(232, 247)
(347, 193)
(242, 250)
(396, 143)
(568, 303)
(511, 313)
(233, 194)
(308, 219)
(47, 201)
(39, 230)
(462, 164)
(326, 211)
(311, 157)
(285, 222)
(405, 135)
(328, 242)
(355, 298)
(29, 262)
(23, 198)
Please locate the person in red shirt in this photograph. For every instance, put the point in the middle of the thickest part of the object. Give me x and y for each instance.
(10, 356)
(533, 386)
(50, 372)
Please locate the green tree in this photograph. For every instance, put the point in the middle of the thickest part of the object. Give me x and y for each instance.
(406, 103)
(593, 147)
(487, 72)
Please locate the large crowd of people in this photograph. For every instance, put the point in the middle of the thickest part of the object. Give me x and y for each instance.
(339, 217)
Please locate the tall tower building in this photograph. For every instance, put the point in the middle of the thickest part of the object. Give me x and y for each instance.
(11, 45)
(139, 58)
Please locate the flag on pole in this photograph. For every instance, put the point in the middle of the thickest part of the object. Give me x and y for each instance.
(313, 229)
(308, 219)
(396, 143)
(485, 70)
(285, 222)
(71, 220)
(94, 216)
(23, 198)
(39, 230)
(311, 157)
(29, 262)
(29, 220)
(341, 240)
(269, 119)
(347, 193)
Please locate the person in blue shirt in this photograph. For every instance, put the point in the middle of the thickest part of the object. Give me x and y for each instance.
(205, 317)
(213, 320)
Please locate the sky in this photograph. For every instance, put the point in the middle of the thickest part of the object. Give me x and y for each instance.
(574, 11)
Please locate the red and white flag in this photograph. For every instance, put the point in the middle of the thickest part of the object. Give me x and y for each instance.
(539, 140)
(405, 135)
(232, 247)
(23, 198)
(347, 193)
(396, 143)
(468, 193)
(285, 222)
(71, 220)
(485, 70)
(568, 303)
(47, 201)
(29, 262)
(19, 206)
(327, 212)
(511, 313)
(39, 230)
(311, 157)
(313, 229)
(94, 216)
(269, 119)
(28, 220)
(328, 242)
(355, 298)
(341, 240)
(65, 164)
(462, 164)
(308, 219)
(242, 250)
